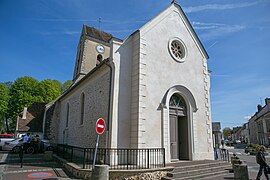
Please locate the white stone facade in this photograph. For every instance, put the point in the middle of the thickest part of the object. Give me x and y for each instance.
(144, 78)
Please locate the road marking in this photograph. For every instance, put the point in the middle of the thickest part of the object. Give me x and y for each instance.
(31, 170)
(4, 157)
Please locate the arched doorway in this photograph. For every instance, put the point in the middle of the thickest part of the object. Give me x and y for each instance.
(179, 128)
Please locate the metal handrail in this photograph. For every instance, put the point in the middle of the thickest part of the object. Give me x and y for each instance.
(224, 154)
(116, 158)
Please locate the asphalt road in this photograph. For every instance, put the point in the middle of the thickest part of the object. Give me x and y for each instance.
(249, 160)
(34, 167)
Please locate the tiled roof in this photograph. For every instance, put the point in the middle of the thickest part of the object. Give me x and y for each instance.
(34, 118)
(97, 34)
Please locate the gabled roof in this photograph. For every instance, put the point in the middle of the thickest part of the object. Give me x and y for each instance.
(34, 118)
(187, 23)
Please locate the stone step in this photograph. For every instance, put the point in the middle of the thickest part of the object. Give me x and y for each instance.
(197, 169)
(188, 163)
(180, 168)
(200, 171)
(198, 176)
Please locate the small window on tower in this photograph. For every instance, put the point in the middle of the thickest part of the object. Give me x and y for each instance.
(99, 59)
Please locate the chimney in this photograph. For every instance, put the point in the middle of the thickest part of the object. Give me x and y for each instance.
(24, 113)
(267, 101)
(259, 107)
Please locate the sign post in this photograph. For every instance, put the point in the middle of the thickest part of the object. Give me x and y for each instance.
(100, 127)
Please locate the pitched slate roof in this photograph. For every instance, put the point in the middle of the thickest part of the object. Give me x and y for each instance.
(34, 118)
(97, 34)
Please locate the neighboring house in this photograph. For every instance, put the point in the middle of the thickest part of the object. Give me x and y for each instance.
(31, 120)
(259, 125)
(244, 134)
(152, 89)
(236, 133)
(217, 135)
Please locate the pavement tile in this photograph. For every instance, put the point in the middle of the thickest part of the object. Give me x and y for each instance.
(34, 167)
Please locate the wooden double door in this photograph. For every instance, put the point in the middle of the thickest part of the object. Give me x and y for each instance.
(179, 143)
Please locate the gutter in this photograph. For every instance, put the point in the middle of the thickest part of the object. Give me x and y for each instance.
(109, 104)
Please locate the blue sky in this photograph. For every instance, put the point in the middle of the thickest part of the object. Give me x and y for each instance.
(39, 38)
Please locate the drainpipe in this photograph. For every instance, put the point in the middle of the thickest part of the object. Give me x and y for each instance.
(109, 104)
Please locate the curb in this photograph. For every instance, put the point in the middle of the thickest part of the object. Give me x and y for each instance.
(3, 159)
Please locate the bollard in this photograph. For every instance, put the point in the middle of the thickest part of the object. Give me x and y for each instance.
(100, 172)
(21, 155)
(235, 162)
(241, 172)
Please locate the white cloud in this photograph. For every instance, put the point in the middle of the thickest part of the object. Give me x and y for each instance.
(62, 20)
(247, 117)
(216, 30)
(222, 6)
(50, 33)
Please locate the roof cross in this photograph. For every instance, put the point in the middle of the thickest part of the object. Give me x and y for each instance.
(99, 23)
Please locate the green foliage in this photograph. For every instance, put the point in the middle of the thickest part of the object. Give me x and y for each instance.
(22, 93)
(58, 84)
(8, 84)
(4, 97)
(66, 85)
(226, 132)
(252, 149)
(48, 90)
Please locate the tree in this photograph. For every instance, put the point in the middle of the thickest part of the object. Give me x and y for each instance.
(58, 84)
(23, 92)
(66, 85)
(4, 98)
(227, 132)
(48, 90)
(8, 84)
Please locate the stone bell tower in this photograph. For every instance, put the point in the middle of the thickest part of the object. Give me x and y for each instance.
(93, 48)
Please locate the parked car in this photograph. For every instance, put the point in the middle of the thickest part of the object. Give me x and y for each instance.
(31, 148)
(5, 138)
(228, 143)
(236, 142)
(13, 145)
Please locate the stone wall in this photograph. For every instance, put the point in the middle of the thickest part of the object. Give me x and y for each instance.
(96, 92)
(143, 175)
(155, 174)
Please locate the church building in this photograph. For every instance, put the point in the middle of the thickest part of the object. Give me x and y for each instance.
(152, 89)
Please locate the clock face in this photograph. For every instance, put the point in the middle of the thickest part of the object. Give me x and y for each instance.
(100, 48)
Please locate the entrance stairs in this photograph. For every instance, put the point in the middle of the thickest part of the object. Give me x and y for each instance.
(185, 170)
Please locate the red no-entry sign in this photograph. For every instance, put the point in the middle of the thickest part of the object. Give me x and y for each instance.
(100, 126)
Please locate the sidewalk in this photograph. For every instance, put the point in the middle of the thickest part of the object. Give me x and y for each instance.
(34, 167)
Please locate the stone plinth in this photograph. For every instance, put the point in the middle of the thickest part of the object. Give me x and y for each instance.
(241, 172)
(101, 172)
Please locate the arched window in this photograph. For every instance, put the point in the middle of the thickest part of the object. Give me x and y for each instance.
(67, 115)
(99, 59)
(177, 101)
(82, 108)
